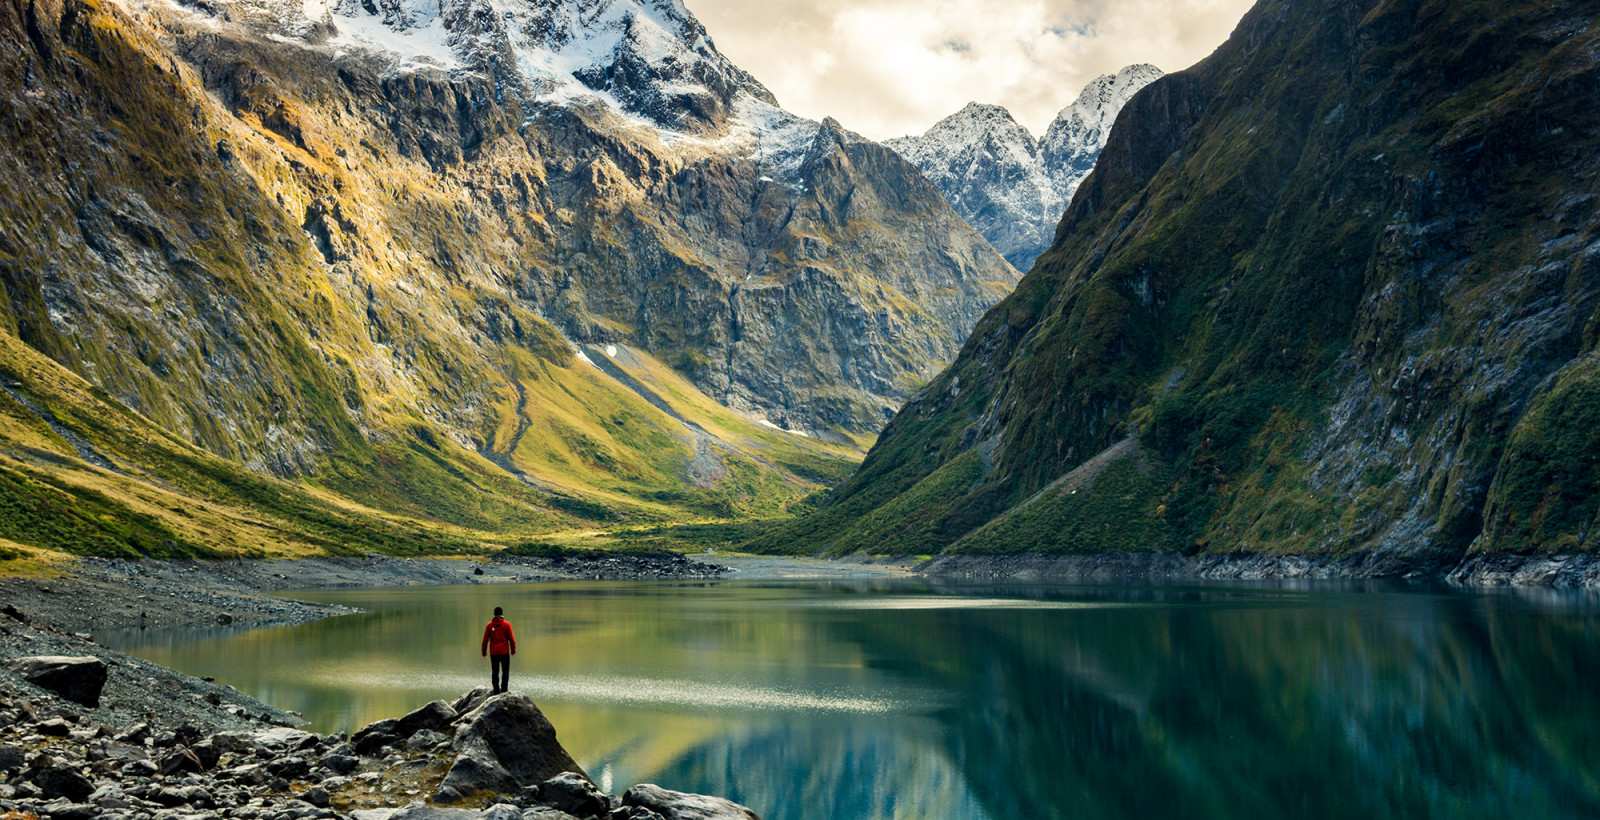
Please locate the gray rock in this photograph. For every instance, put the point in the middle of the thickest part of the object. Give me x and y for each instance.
(505, 744)
(54, 727)
(63, 781)
(340, 763)
(423, 811)
(317, 796)
(78, 679)
(436, 716)
(136, 734)
(11, 757)
(502, 811)
(66, 810)
(574, 794)
(546, 813)
(681, 806)
(424, 739)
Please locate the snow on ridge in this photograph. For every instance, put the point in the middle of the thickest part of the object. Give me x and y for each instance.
(1012, 187)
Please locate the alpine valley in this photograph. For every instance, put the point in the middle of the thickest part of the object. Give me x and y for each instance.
(1328, 304)
(288, 277)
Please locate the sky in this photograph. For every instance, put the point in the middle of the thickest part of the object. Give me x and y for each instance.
(887, 68)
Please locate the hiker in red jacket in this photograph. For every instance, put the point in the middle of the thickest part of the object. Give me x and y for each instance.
(498, 646)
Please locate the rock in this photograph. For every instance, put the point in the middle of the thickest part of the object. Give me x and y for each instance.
(422, 811)
(574, 794)
(546, 813)
(11, 758)
(284, 737)
(136, 734)
(139, 768)
(54, 727)
(634, 813)
(65, 810)
(63, 781)
(250, 774)
(208, 754)
(373, 814)
(289, 768)
(505, 744)
(180, 760)
(78, 679)
(11, 611)
(680, 806)
(502, 811)
(427, 738)
(436, 716)
(340, 763)
(316, 796)
(224, 618)
(370, 744)
(471, 700)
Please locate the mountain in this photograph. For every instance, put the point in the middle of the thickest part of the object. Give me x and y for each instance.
(1010, 186)
(1330, 294)
(481, 268)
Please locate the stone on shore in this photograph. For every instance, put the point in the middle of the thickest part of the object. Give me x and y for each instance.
(503, 744)
(673, 805)
(574, 794)
(78, 679)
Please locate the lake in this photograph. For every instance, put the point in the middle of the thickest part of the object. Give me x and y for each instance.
(871, 699)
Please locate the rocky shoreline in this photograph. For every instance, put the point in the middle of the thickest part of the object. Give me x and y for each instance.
(1575, 571)
(155, 743)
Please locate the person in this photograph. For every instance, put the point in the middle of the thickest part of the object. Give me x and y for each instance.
(499, 644)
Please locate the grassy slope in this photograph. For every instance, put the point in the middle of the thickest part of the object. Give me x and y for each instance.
(1209, 286)
(274, 367)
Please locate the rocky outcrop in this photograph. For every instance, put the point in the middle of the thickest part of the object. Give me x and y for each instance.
(1337, 278)
(281, 772)
(78, 679)
(502, 744)
(1009, 185)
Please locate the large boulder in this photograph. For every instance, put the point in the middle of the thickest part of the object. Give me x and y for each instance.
(63, 781)
(574, 794)
(78, 679)
(502, 745)
(681, 806)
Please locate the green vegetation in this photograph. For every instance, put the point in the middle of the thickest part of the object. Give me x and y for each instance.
(1546, 494)
(1289, 284)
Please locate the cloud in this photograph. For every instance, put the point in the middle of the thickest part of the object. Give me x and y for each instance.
(891, 67)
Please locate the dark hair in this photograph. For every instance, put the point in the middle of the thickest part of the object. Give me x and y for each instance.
(498, 612)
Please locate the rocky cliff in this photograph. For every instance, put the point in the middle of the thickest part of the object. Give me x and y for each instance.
(1333, 291)
(1009, 185)
(362, 242)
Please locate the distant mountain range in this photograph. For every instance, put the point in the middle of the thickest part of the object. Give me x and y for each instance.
(1011, 187)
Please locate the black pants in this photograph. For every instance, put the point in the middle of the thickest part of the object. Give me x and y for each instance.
(500, 672)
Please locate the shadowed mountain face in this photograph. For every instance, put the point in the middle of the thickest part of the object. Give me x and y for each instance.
(288, 235)
(1333, 290)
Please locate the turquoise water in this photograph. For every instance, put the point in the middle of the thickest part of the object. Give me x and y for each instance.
(869, 700)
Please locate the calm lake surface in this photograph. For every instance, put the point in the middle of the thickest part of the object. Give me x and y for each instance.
(877, 699)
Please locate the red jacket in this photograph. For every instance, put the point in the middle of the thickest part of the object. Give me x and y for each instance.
(497, 638)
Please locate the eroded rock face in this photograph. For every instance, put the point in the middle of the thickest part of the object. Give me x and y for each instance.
(78, 679)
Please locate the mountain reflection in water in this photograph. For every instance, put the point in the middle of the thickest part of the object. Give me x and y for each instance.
(879, 700)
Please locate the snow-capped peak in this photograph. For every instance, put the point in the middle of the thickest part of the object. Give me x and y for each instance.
(1011, 187)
